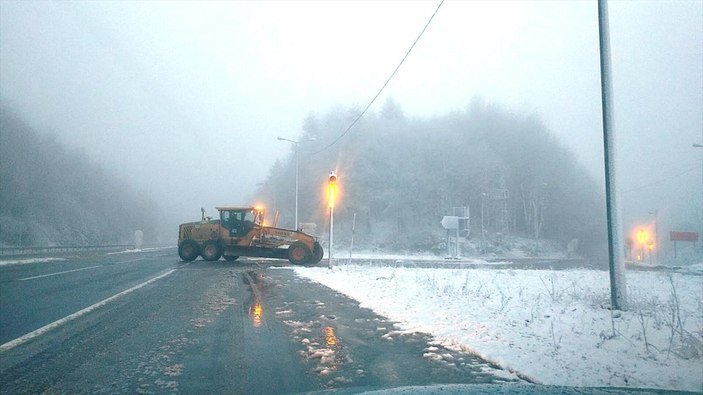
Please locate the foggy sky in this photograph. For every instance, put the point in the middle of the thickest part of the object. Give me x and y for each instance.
(186, 99)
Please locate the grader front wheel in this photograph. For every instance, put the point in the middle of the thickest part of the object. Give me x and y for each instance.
(299, 253)
(317, 253)
(211, 251)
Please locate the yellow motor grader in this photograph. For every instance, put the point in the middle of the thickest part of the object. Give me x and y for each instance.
(240, 231)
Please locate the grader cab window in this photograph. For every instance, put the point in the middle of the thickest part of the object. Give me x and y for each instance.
(232, 220)
(228, 217)
(250, 215)
(239, 222)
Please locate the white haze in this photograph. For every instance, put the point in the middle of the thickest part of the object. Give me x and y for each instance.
(186, 99)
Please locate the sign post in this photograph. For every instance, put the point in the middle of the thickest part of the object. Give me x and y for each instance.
(451, 222)
(351, 245)
(677, 236)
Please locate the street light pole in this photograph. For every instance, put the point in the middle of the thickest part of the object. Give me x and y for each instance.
(332, 192)
(295, 143)
(297, 161)
(483, 231)
(701, 234)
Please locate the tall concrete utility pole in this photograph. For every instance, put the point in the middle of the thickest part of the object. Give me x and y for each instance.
(615, 250)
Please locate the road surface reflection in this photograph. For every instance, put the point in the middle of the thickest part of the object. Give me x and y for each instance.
(255, 280)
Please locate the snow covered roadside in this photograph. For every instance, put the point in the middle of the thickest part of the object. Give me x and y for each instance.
(131, 251)
(28, 261)
(696, 268)
(548, 325)
(366, 255)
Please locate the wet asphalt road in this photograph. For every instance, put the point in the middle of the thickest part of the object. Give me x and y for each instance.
(202, 327)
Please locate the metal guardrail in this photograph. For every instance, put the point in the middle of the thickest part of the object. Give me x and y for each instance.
(505, 263)
(32, 250)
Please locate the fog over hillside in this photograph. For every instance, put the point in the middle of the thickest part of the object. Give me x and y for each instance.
(52, 196)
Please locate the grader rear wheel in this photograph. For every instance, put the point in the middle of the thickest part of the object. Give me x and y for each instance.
(188, 250)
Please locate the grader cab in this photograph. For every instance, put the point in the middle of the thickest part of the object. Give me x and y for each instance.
(240, 231)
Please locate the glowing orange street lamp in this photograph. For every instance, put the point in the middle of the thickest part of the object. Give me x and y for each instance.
(332, 189)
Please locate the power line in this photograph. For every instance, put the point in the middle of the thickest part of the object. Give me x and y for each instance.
(661, 180)
(351, 125)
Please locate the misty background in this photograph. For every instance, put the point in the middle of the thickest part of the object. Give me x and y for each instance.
(181, 102)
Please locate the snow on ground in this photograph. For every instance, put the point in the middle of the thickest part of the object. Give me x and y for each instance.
(28, 260)
(129, 251)
(697, 267)
(381, 257)
(551, 326)
(367, 255)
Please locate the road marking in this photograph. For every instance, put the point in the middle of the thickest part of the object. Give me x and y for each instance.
(28, 261)
(57, 273)
(31, 335)
(131, 260)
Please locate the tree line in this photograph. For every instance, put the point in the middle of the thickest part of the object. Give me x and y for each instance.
(400, 175)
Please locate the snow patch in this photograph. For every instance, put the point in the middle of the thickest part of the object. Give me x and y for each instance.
(29, 260)
(135, 250)
(696, 268)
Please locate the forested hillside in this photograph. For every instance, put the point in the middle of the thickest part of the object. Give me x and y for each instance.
(51, 195)
(400, 175)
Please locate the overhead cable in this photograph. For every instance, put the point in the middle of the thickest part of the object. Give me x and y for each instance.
(351, 125)
(659, 181)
